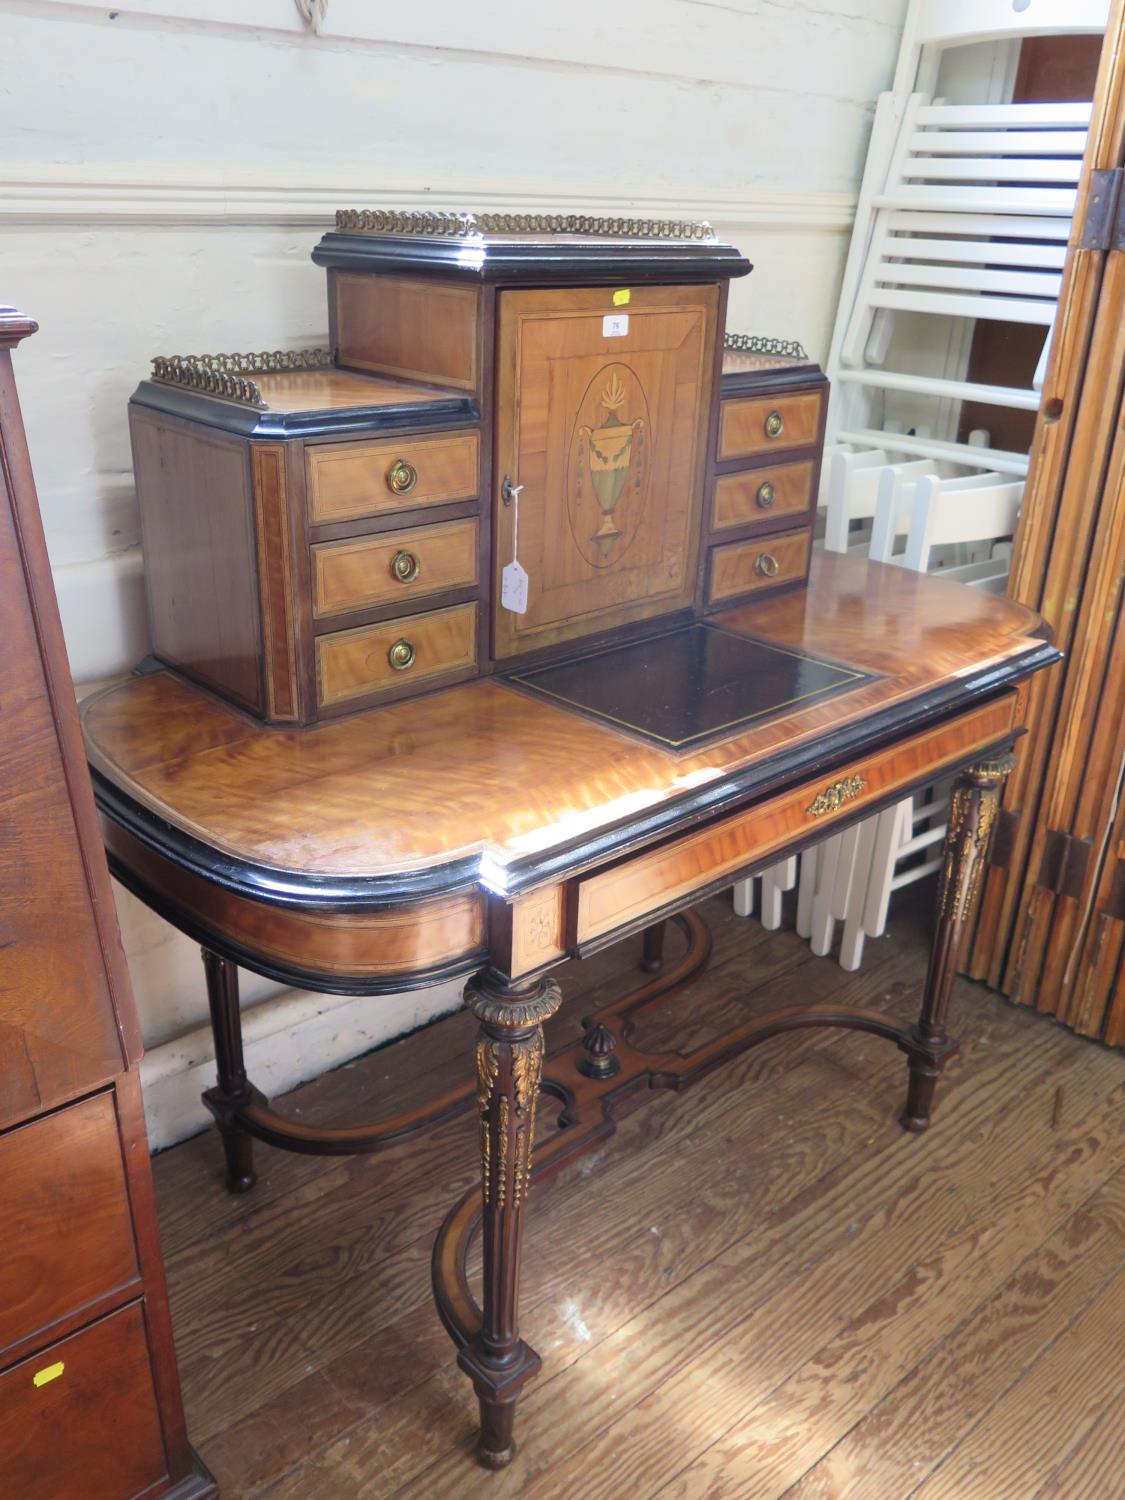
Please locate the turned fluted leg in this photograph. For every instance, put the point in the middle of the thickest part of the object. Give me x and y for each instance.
(972, 816)
(232, 1089)
(652, 950)
(509, 1060)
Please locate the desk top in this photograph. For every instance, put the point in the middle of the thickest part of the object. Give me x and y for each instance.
(487, 785)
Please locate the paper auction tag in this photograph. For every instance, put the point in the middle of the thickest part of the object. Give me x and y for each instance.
(513, 578)
(513, 588)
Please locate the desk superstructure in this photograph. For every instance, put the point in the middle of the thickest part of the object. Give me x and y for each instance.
(309, 798)
(328, 529)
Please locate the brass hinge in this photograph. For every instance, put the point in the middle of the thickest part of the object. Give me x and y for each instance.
(1064, 864)
(1104, 227)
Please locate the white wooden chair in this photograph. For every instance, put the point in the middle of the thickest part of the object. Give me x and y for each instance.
(774, 883)
(854, 482)
(972, 222)
(850, 494)
(963, 213)
(934, 33)
(887, 852)
(851, 876)
(935, 25)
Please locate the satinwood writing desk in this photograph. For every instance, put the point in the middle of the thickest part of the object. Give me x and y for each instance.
(498, 826)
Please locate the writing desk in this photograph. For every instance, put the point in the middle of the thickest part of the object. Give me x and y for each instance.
(497, 827)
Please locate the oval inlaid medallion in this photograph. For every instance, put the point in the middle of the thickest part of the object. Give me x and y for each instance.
(607, 474)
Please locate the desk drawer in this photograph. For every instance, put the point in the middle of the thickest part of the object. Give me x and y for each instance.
(349, 480)
(80, 1418)
(752, 425)
(742, 568)
(761, 496)
(395, 654)
(393, 566)
(68, 1236)
(649, 882)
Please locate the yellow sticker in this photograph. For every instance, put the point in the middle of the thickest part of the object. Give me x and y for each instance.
(52, 1372)
(620, 299)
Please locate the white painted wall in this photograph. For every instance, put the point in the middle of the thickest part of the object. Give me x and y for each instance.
(167, 165)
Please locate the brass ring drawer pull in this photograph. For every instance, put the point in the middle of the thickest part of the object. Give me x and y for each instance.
(767, 565)
(405, 567)
(775, 424)
(766, 494)
(402, 655)
(401, 477)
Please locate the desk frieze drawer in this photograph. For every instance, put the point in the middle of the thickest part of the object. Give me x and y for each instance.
(348, 481)
(750, 426)
(612, 899)
(762, 497)
(396, 656)
(393, 567)
(742, 568)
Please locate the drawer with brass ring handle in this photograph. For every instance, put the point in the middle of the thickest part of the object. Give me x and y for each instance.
(396, 656)
(745, 567)
(778, 497)
(347, 481)
(367, 571)
(402, 476)
(402, 655)
(405, 566)
(749, 425)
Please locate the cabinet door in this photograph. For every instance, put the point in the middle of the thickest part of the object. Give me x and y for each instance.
(58, 1030)
(602, 411)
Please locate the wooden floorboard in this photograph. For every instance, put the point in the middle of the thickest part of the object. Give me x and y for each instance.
(760, 1287)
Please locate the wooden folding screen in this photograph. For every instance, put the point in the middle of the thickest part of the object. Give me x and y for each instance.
(1051, 931)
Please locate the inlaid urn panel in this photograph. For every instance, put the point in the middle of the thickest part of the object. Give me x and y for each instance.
(602, 403)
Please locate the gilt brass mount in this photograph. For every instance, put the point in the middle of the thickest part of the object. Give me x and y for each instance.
(227, 375)
(438, 225)
(766, 494)
(756, 343)
(833, 797)
(775, 424)
(767, 565)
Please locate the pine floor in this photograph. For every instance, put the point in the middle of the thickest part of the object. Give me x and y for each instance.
(761, 1287)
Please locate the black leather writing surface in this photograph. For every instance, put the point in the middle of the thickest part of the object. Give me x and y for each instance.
(689, 685)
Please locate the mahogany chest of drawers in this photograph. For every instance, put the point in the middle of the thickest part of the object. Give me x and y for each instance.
(89, 1392)
(332, 529)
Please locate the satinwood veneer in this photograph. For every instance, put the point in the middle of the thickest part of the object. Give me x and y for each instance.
(518, 646)
(491, 831)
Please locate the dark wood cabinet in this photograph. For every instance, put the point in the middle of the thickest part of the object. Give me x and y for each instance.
(89, 1393)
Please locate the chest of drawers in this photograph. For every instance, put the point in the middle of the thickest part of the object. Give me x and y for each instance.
(89, 1392)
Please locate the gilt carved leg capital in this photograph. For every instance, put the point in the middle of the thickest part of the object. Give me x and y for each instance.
(973, 807)
(509, 1066)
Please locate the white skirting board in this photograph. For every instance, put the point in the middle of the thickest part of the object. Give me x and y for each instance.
(288, 1038)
